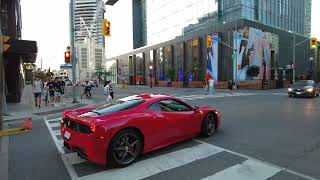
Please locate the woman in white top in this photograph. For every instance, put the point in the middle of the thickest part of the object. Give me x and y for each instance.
(37, 91)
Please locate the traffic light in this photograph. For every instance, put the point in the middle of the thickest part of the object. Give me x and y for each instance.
(313, 43)
(106, 27)
(6, 45)
(67, 57)
(209, 41)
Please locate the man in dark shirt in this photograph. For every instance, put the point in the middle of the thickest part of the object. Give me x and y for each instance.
(57, 92)
(50, 90)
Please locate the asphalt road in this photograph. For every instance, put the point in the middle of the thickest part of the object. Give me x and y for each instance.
(264, 134)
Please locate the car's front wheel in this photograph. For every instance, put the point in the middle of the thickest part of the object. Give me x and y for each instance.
(209, 125)
(125, 147)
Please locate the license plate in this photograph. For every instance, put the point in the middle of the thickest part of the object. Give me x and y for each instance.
(67, 135)
(299, 93)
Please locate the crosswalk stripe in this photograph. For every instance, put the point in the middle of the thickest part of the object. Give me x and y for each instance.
(53, 135)
(157, 164)
(73, 158)
(248, 170)
(52, 125)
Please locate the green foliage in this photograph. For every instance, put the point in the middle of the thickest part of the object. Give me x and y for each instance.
(171, 72)
(253, 71)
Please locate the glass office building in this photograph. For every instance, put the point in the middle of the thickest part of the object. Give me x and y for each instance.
(291, 15)
(171, 37)
(166, 19)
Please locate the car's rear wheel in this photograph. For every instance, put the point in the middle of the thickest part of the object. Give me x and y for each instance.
(289, 95)
(209, 125)
(125, 147)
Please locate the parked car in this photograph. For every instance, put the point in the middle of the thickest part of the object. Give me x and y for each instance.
(306, 88)
(119, 132)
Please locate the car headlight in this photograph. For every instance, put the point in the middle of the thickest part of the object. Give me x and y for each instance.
(310, 89)
(290, 89)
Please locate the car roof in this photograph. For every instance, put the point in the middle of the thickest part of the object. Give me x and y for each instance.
(146, 97)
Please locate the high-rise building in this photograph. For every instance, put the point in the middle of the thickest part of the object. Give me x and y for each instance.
(173, 34)
(290, 15)
(89, 38)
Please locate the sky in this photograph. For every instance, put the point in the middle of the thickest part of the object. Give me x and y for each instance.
(47, 22)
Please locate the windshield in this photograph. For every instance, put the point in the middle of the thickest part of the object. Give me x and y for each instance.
(303, 83)
(117, 106)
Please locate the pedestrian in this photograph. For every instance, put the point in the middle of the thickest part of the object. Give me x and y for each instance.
(46, 92)
(231, 86)
(49, 86)
(206, 87)
(111, 90)
(62, 86)
(37, 90)
(107, 91)
(138, 79)
(57, 92)
(211, 86)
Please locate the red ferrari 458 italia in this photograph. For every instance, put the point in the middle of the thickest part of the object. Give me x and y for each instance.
(117, 133)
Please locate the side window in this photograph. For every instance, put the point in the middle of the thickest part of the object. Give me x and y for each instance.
(155, 106)
(170, 105)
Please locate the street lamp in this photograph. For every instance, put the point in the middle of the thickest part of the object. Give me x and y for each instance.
(311, 66)
(293, 57)
(150, 69)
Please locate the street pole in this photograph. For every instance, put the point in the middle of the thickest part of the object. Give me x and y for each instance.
(1, 76)
(294, 58)
(74, 97)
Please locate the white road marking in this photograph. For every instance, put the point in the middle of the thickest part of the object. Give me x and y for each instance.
(53, 135)
(257, 160)
(73, 158)
(52, 125)
(248, 170)
(157, 164)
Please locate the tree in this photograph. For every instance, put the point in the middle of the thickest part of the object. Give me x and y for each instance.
(99, 73)
(171, 72)
(253, 71)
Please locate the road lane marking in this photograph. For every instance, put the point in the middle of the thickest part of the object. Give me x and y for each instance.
(53, 135)
(73, 158)
(257, 160)
(152, 166)
(248, 170)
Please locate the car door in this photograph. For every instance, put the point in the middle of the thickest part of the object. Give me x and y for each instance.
(158, 123)
(181, 118)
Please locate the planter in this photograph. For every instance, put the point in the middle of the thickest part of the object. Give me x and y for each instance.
(195, 84)
(177, 84)
(163, 83)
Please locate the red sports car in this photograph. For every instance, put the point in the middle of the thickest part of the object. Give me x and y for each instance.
(119, 132)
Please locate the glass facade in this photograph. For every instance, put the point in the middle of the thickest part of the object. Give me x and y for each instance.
(293, 15)
(166, 19)
(140, 67)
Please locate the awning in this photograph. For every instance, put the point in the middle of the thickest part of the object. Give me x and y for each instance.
(22, 48)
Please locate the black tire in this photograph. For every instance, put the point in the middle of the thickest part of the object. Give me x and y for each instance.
(290, 96)
(120, 148)
(209, 125)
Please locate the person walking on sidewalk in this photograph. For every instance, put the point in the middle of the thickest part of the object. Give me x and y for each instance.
(231, 86)
(107, 91)
(37, 90)
(206, 87)
(111, 90)
(138, 79)
(50, 90)
(57, 92)
(211, 86)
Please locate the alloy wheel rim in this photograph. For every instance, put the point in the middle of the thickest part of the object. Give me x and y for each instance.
(126, 148)
(211, 124)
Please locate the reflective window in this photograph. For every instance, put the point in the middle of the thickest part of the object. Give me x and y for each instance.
(170, 105)
(117, 106)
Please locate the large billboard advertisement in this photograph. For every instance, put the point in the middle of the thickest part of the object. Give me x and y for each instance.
(212, 56)
(252, 49)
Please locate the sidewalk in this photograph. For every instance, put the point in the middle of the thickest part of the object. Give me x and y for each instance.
(26, 108)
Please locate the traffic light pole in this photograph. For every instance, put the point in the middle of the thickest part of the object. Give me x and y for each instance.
(294, 58)
(1, 76)
(73, 53)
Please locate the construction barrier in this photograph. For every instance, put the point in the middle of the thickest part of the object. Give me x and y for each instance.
(26, 126)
